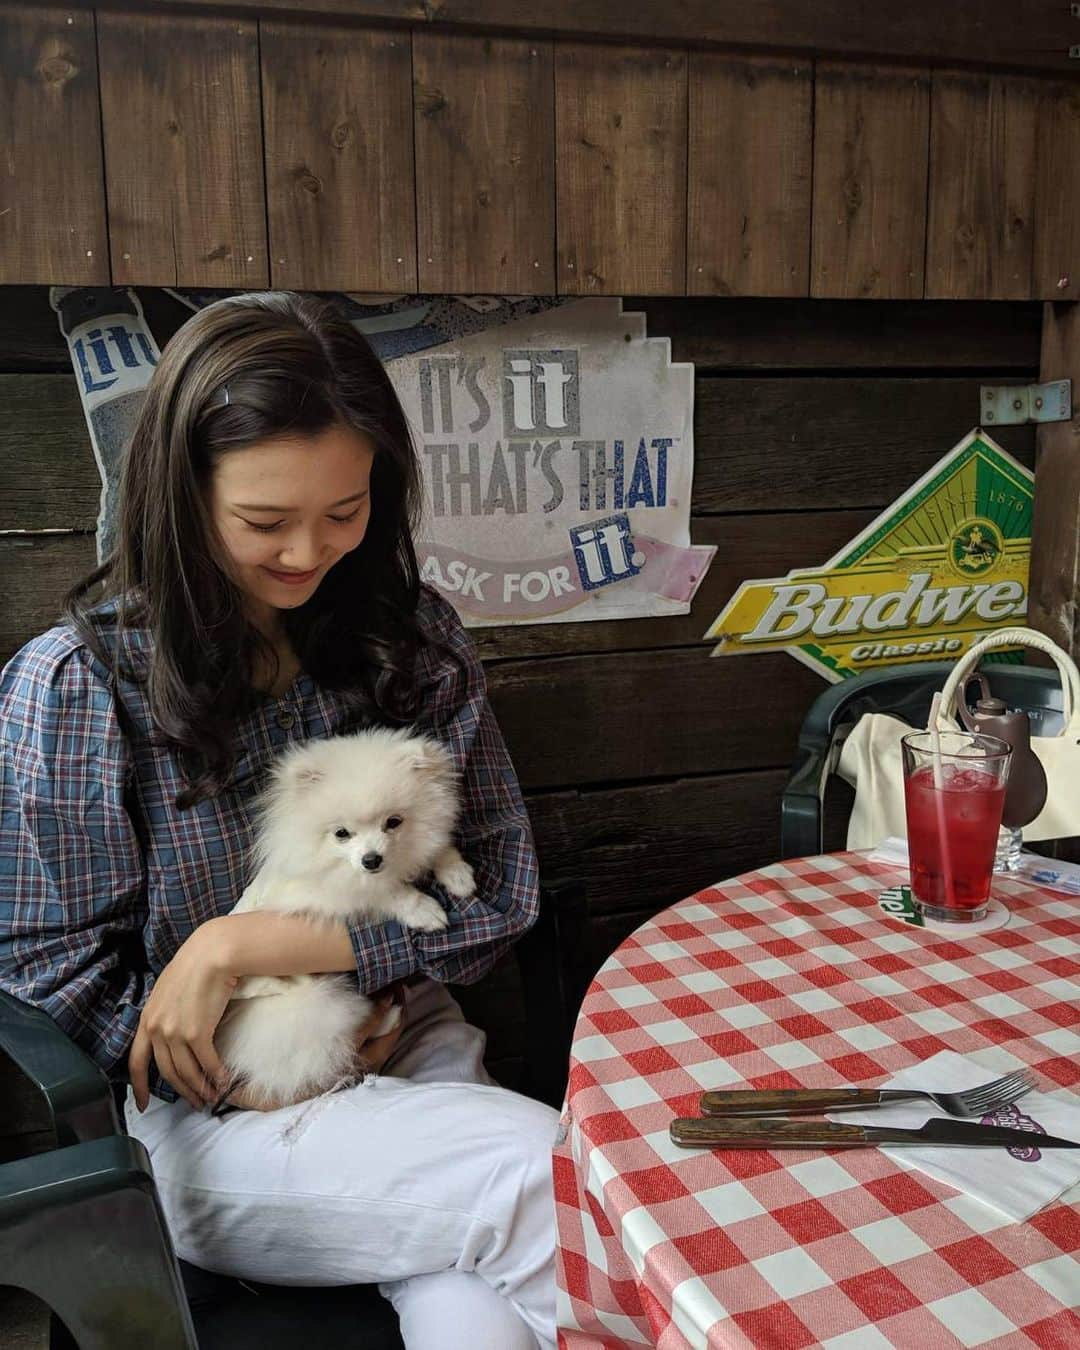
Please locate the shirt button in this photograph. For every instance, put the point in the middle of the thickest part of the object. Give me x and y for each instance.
(285, 720)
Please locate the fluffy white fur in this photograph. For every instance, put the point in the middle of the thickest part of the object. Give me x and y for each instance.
(345, 828)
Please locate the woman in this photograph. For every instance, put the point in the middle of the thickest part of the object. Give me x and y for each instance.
(265, 590)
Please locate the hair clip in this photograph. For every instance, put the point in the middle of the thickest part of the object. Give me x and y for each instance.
(226, 404)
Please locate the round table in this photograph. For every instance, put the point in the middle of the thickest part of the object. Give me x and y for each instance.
(791, 977)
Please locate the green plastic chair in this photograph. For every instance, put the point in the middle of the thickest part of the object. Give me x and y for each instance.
(906, 692)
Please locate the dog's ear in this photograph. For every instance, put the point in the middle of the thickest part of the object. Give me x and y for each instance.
(432, 760)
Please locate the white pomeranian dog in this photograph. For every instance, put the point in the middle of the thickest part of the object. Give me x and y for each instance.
(344, 830)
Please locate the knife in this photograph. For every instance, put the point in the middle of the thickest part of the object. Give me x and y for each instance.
(727, 1132)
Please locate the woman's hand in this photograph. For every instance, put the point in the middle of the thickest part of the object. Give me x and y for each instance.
(179, 1019)
(372, 1052)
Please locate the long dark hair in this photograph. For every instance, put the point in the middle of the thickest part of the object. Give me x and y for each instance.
(292, 364)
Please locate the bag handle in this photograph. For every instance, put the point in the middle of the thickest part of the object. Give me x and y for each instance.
(1014, 637)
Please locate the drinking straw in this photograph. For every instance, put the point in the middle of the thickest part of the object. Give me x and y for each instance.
(939, 799)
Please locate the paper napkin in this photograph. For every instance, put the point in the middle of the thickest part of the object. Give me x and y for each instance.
(1017, 1181)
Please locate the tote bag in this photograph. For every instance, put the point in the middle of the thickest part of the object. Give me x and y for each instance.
(870, 758)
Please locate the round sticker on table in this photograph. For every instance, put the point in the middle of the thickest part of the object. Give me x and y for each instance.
(897, 904)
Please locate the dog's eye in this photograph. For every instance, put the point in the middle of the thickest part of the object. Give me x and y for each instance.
(342, 833)
(392, 822)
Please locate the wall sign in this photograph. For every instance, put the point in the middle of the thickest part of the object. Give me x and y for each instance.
(941, 568)
(558, 459)
(113, 355)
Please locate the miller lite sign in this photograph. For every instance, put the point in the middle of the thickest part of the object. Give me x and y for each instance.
(113, 355)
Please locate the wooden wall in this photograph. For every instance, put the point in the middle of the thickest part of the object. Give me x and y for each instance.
(650, 769)
(195, 149)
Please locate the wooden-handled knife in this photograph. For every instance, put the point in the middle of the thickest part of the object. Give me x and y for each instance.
(741, 1132)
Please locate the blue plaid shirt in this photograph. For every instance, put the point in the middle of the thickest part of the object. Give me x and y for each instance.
(102, 878)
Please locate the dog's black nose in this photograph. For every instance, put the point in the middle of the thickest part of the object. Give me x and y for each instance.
(372, 861)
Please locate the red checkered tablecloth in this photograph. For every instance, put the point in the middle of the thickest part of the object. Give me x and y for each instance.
(790, 977)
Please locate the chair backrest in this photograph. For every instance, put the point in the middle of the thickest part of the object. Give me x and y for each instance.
(907, 692)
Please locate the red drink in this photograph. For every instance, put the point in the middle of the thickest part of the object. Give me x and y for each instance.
(968, 805)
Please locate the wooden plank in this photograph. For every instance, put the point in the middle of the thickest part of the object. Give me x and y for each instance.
(931, 335)
(982, 187)
(1054, 606)
(730, 334)
(748, 546)
(870, 171)
(575, 720)
(1056, 267)
(485, 164)
(183, 150)
(30, 337)
(49, 481)
(850, 444)
(798, 443)
(620, 136)
(985, 32)
(607, 718)
(750, 160)
(337, 115)
(52, 198)
(645, 846)
(48, 478)
(38, 570)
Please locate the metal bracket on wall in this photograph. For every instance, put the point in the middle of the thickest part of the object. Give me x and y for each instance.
(1008, 404)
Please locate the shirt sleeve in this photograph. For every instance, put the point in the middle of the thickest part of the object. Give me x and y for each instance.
(72, 894)
(494, 832)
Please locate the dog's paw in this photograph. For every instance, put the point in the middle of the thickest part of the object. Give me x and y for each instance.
(422, 913)
(457, 878)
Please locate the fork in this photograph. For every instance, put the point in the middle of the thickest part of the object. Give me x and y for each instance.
(983, 1100)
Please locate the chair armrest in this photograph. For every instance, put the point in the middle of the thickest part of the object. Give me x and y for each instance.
(801, 826)
(77, 1092)
(800, 806)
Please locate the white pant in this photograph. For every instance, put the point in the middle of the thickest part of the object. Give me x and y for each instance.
(427, 1179)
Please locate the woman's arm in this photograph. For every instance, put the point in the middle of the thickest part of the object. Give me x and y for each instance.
(72, 885)
(260, 943)
(189, 998)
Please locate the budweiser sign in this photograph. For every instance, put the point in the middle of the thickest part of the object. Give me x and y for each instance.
(941, 568)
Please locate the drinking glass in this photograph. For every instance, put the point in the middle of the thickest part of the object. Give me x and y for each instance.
(954, 793)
